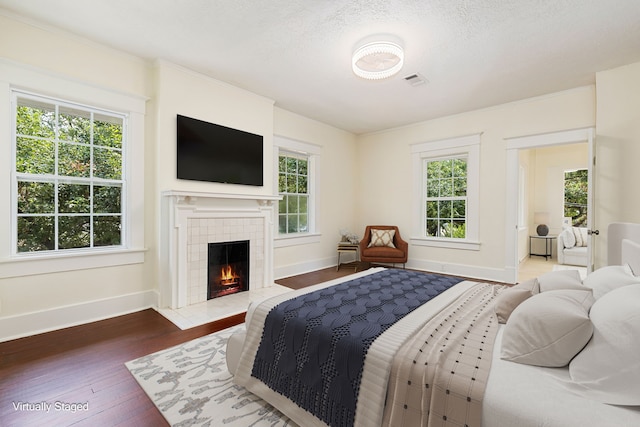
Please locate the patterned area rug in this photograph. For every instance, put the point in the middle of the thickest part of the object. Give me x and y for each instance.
(191, 386)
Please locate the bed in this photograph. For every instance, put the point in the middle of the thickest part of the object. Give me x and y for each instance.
(576, 367)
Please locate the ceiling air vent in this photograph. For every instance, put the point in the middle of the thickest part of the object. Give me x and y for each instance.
(415, 79)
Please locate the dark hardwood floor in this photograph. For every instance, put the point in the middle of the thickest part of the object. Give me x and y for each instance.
(85, 365)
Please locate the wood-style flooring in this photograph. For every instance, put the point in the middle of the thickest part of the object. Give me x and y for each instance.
(85, 365)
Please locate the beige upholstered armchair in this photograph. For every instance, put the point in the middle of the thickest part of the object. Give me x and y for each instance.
(382, 243)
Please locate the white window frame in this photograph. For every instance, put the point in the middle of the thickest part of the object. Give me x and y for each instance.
(465, 146)
(25, 79)
(312, 152)
(55, 178)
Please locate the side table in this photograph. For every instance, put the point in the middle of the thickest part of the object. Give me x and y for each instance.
(345, 247)
(548, 246)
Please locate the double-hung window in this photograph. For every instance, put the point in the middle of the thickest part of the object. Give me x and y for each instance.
(446, 188)
(446, 198)
(69, 176)
(297, 166)
(293, 186)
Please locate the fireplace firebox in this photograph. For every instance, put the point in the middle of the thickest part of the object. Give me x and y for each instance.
(228, 268)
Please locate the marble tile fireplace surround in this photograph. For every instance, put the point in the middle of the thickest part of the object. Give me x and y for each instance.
(191, 220)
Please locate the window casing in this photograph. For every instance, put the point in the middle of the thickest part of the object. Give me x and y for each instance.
(297, 164)
(69, 182)
(446, 193)
(19, 79)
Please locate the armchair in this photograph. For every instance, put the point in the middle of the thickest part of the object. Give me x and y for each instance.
(382, 243)
(572, 246)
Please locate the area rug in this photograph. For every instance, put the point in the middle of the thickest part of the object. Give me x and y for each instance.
(191, 386)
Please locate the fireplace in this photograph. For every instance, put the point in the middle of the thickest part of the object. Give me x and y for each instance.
(192, 220)
(228, 269)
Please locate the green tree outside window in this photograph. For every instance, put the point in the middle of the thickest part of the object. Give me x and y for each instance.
(575, 196)
(446, 198)
(293, 185)
(68, 165)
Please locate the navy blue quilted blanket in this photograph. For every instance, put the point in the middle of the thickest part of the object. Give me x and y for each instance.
(313, 346)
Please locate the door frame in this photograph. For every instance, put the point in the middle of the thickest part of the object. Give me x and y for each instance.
(514, 145)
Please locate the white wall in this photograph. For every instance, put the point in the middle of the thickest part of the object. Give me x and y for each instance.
(526, 162)
(545, 190)
(384, 177)
(548, 185)
(182, 91)
(69, 297)
(617, 151)
(338, 192)
(38, 302)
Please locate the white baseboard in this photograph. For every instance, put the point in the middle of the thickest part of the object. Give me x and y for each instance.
(470, 271)
(307, 267)
(28, 324)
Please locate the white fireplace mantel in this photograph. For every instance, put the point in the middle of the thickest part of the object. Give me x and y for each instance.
(189, 197)
(190, 220)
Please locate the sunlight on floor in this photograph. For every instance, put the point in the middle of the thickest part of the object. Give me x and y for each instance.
(534, 267)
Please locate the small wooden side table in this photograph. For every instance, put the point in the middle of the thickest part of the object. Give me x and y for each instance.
(346, 247)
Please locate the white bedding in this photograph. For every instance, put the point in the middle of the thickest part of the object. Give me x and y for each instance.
(530, 396)
(370, 407)
(516, 395)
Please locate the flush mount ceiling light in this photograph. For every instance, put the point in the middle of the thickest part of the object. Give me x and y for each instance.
(377, 60)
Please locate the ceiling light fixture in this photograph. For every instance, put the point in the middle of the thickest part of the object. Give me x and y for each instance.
(378, 60)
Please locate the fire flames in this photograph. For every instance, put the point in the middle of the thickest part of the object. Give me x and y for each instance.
(228, 276)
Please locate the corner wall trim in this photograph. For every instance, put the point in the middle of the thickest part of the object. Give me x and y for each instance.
(38, 322)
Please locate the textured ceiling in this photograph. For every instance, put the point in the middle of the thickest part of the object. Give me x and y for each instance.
(474, 53)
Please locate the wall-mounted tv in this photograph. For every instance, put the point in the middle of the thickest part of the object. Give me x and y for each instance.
(215, 153)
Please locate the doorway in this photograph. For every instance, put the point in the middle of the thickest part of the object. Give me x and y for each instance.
(541, 160)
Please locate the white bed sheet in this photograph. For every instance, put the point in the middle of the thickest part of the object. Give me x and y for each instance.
(530, 396)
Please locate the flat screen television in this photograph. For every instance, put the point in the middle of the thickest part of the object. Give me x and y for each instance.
(215, 153)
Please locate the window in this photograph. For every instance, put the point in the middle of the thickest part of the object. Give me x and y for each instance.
(575, 196)
(298, 164)
(69, 182)
(446, 198)
(59, 198)
(446, 188)
(293, 186)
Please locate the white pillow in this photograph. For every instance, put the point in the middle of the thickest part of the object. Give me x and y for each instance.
(561, 279)
(513, 296)
(382, 238)
(568, 239)
(548, 329)
(609, 366)
(608, 278)
(580, 233)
